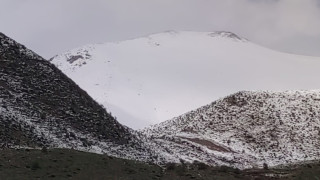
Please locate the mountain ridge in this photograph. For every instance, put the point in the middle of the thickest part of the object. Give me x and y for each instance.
(145, 74)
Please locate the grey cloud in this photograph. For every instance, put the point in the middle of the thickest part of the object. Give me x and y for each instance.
(51, 27)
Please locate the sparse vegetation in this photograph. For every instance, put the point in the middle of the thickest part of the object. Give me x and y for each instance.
(35, 165)
(66, 164)
(274, 127)
(170, 166)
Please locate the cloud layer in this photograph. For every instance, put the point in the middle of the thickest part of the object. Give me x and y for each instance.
(52, 27)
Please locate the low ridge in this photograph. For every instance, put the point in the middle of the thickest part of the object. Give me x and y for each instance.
(246, 129)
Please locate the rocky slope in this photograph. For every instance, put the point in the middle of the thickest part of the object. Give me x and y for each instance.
(40, 106)
(151, 79)
(246, 129)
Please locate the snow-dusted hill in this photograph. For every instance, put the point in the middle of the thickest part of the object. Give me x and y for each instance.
(246, 129)
(151, 79)
(40, 106)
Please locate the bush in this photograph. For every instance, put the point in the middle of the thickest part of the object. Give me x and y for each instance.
(200, 165)
(182, 161)
(229, 169)
(171, 166)
(224, 168)
(44, 149)
(35, 165)
(265, 166)
(237, 171)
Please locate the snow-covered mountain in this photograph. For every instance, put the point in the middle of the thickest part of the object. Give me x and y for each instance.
(40, 106)
(151, 79)
(246, 129)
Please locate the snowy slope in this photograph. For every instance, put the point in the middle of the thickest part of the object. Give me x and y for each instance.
(40, 106)
(151, 79)
(246, 129)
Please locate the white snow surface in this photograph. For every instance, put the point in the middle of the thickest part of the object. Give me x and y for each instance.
(151, 79)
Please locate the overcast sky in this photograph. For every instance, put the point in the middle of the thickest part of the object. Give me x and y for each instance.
(51, 27)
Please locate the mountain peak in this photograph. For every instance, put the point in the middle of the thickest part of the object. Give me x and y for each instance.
(227, 34)
(221, 34)
(210, 64)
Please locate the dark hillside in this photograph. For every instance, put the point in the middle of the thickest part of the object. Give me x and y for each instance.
(40, 106)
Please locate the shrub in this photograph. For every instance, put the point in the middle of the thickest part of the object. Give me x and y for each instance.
(35, 165)
(224, 168)
(171, 166)
(44, 149)
(182, 161)
(202, 166)
(265, 166)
